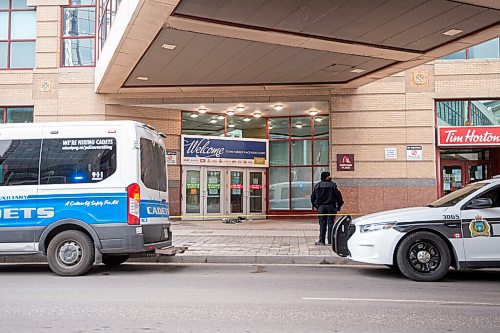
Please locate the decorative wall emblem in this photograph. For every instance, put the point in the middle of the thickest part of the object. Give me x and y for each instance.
(420, 78)
(45, 86)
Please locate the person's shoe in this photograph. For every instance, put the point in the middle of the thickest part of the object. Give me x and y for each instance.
(319, 243)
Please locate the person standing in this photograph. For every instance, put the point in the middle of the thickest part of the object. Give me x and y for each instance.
(327, 199)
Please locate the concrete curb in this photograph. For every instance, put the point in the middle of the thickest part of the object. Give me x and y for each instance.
(209, 259)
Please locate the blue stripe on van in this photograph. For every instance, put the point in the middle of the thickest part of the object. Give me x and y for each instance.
(91, 208)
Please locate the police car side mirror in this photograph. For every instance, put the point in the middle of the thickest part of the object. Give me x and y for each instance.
(479, 203)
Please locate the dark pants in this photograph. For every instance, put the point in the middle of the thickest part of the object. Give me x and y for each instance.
(326, 221)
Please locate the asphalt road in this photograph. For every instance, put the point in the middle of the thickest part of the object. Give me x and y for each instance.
(245, 298)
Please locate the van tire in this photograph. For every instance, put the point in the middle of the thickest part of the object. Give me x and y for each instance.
(423, 256)
(71, 253)
(114, 260)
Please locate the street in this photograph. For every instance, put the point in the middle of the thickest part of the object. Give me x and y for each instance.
(245, 298)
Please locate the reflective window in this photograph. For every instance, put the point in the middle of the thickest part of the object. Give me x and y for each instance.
(106, 16)
(194, 123)
(303, 156)
(22, 54)
(17, 35)
(19, 162)
(78, 52)
(278, 153)
(246, 127)
(78, 34)
(153, 165)
(468, 113)
(487, 50)
(16, 114)
(77, 160)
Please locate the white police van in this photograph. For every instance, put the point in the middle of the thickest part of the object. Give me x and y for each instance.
(462, 229)
(82, 193)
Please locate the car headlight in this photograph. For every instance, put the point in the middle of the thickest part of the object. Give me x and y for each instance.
(377, 226)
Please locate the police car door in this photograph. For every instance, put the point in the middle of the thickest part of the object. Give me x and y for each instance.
(19, 167)
(481, 228)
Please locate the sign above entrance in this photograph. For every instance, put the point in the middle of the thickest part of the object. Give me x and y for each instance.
(469, 136)
(219, 151)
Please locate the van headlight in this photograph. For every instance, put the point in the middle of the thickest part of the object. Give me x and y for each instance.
(377, 226)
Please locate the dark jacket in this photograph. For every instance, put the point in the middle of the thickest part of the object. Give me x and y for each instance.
(326, 193)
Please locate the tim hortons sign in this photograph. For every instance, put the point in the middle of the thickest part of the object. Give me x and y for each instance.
(469, 136)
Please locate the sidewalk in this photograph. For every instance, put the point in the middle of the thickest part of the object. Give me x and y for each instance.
(256, 241)
(249, 242)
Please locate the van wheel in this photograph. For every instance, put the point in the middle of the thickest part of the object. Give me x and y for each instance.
(423, 256)
(114, 260)
(71, 253)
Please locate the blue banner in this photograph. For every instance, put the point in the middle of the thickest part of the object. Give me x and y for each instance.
(229, 151)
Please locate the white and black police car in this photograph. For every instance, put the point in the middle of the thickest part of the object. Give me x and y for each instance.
(461, 229)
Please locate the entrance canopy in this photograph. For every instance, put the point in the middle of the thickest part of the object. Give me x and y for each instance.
(195, 45)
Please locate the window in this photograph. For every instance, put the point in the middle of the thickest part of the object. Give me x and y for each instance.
(19, 162)
(77, 160)
(78, 34)
(494, 195)
(486, 50)
(107, 13)
(17, 35)
(299, 151)
(153, 165)
(468, 113)
(16, 115)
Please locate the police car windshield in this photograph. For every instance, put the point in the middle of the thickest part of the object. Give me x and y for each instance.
(454, 197)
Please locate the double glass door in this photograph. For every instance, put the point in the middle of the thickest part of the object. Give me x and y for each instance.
(210, 193)
(457, 174)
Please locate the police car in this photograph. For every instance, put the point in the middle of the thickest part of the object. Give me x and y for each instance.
(461, 229)
(82, 192)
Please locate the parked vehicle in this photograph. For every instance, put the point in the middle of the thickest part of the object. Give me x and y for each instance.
(82, 192)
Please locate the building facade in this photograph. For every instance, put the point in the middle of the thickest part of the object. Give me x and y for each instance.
(380, 140)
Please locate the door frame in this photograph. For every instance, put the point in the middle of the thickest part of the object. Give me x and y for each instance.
(464, 165)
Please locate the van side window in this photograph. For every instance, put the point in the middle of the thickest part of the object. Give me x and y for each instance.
(153, 165)
(19, 160)
(85, 160)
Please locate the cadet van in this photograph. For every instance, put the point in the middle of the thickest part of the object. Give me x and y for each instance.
(82, 193)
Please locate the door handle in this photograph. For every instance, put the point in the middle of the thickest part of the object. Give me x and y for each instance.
(452, 224)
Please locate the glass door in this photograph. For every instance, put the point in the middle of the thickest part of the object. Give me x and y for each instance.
(191, 194)
(236, 188)
(213, 192)
(256, 191)
(453, 178)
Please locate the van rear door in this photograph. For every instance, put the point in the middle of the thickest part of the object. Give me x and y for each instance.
(154, 205)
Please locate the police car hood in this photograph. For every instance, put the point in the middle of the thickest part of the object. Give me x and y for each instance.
(402, 215)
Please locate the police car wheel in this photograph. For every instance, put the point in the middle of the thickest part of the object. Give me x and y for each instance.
(423, 256)
(114, 260)
(71, 253)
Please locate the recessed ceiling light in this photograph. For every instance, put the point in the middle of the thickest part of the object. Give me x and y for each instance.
(142, 78)
(193, 115)
(257, 114)
(231, 125)
(298, 125)
(318, 119)
(247, 119)
(452, 32)
(240, 108)
(230, 112)
(220, 117)
(202, 110)
(358, 70)
(168, 46)
(213, 121)
(313, 112)
(278, 107)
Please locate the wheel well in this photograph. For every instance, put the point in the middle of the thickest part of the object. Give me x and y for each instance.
(61, 228)
(454, 261)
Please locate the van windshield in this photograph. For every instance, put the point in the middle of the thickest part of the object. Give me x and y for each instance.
(153, 165)
(455, 197)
